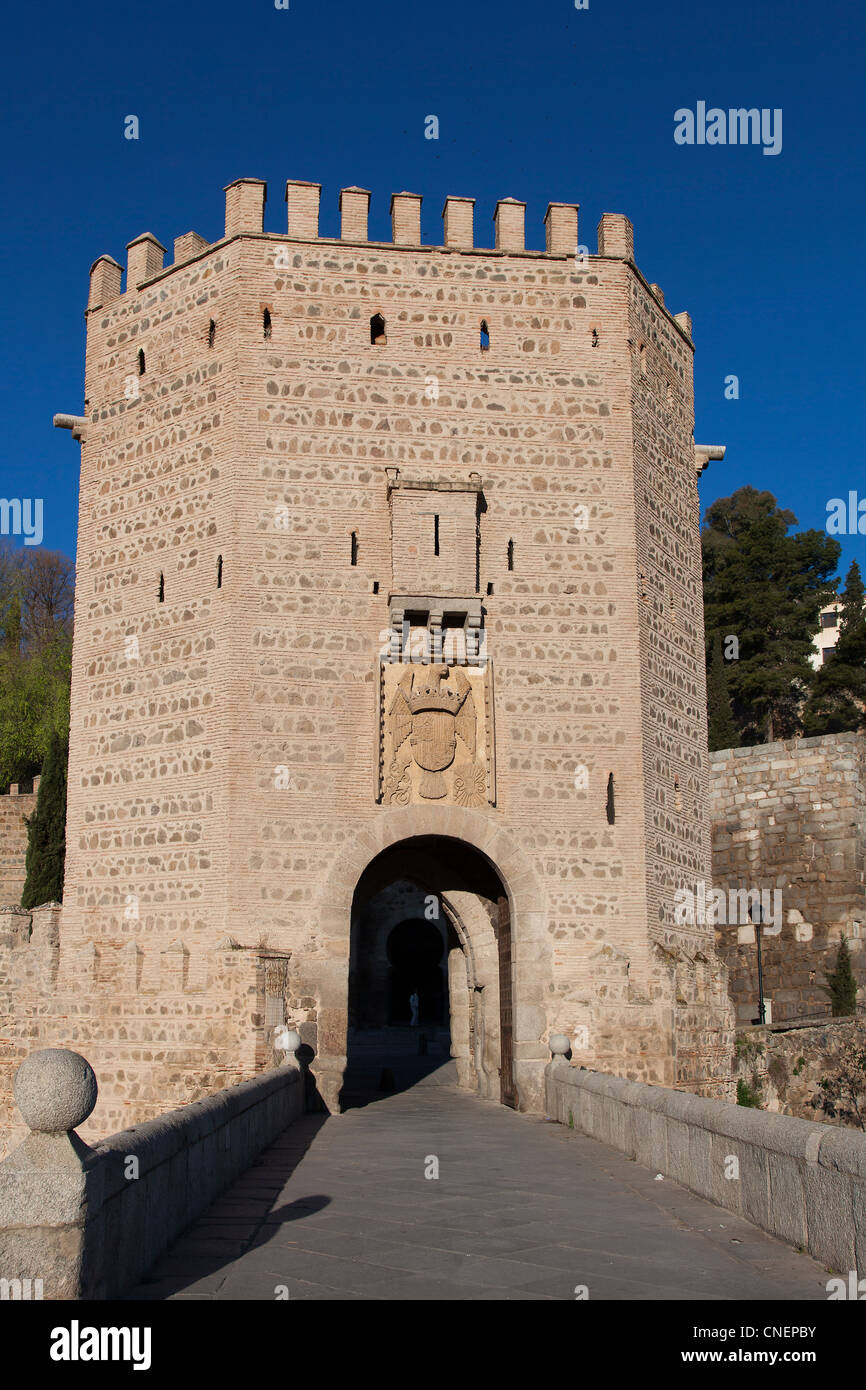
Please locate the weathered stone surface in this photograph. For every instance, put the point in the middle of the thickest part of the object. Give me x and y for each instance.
(89, 1222)
(800, 833)
(785, 1064)
(55, 1090)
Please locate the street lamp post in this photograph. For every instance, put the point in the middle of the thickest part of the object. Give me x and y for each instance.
(757, 916)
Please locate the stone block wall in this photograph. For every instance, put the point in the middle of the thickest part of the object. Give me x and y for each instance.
(200, 1024)
(791, 817)
(786, 1065)
(14, 806)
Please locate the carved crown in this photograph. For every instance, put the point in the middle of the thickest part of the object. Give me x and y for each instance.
(431, 697)
(433, 694)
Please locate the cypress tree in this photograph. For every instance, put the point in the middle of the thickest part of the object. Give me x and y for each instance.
(841, 984)
(46, 831)
(722, 729)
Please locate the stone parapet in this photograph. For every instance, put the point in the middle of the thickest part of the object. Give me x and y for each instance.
(89, 1222)
(800, 1181)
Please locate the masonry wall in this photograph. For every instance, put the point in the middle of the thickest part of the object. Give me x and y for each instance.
(785, 1066)
(669, 593)
(225, 1013)
(791, 816)
(224, 734)
(13, 842)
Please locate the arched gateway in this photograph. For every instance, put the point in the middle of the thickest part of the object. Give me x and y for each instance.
(460, 873)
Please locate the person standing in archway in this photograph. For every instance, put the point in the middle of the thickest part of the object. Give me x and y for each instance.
(413, 1005)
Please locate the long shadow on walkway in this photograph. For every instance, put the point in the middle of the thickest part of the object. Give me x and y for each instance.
(239, 1218)
(436, 1194)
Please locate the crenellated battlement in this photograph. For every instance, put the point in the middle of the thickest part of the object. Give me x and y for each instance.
(244, 216)
(15, 806)
(227, 1000)
(15, 789)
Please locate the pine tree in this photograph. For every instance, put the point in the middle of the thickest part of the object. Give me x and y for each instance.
(837, 703)
(767, 588)
(842, 984)
(46, 831)
(722, 729)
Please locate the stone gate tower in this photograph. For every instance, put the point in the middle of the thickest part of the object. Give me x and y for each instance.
(388, 574)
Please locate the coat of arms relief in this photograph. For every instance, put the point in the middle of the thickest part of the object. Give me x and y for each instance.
(436, 735)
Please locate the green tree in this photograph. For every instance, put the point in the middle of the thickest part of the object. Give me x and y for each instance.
(837, 703)
(36, 590)
(767, 588)
(12, 626)
(46, 831)
(841, 984)
(747, 1095)
(34, 705)
(722, 729)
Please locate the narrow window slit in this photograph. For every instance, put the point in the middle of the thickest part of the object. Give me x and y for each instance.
(377, 331)
(511, 555)
(266, 322)
(354, 547)
(162, 588)
(219, 571)
(141, 362)
(435, 533)
(211, 334)
(485, 336)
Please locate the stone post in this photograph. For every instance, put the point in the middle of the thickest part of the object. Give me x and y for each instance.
(51, 1185)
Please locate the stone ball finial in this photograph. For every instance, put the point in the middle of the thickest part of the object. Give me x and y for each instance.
(55, 1090)
(559, 1044)
(287, 1040)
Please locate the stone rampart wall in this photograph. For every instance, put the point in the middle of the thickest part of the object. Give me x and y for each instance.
(790, 818)
(13, 841)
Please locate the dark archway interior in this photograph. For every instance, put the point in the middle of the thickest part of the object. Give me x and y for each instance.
(409, 937)
(416, 953)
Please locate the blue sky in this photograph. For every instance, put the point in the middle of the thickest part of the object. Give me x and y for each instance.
(536, 101)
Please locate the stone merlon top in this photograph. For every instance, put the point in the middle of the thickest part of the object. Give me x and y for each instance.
(245, 200)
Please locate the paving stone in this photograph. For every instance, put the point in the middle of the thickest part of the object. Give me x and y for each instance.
(522, 1210)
